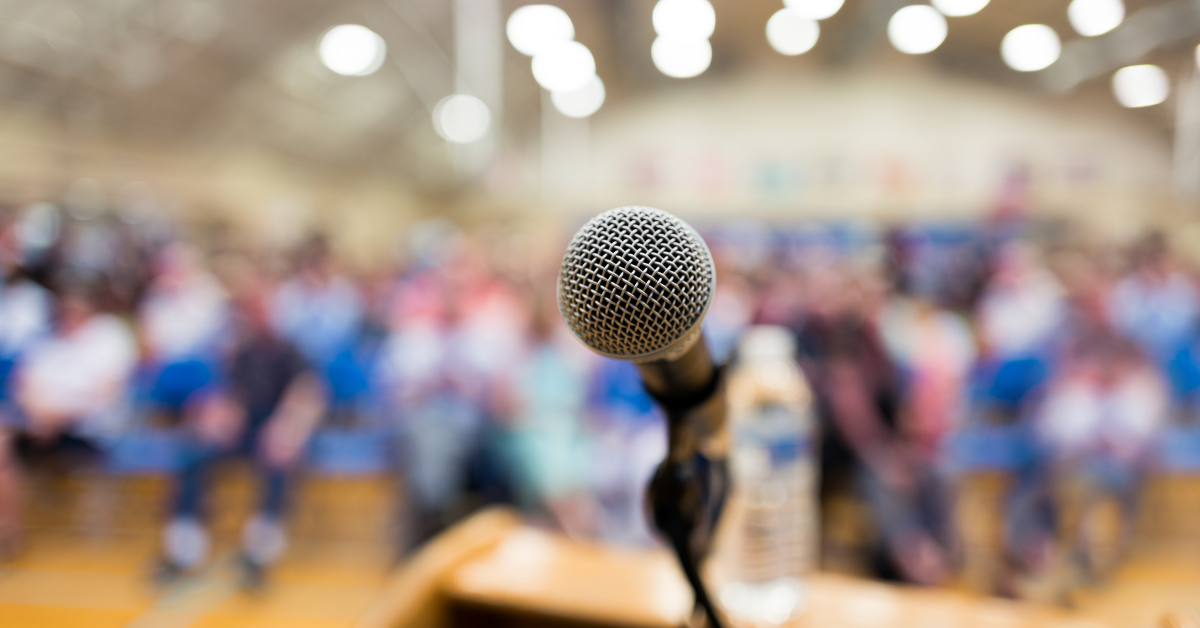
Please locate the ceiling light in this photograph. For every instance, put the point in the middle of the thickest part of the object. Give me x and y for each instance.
(534, 27)
(917, 29)
(1095, 17)
(580, 103)
(461, 119)
(959, 8)
(681, 58)
(815, 9)
(790, 33)
(1141, 85)
(563, 67)
(352, 50)
(684, 19)
(1030, 47)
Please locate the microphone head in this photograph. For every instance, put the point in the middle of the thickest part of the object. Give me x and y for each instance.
(635, 284)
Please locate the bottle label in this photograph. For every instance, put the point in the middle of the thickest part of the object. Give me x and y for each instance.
(773, 473)
(771, 440)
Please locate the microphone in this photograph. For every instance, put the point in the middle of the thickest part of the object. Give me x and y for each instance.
(634, 285)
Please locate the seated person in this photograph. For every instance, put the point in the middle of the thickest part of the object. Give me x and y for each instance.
(181, 319)
(1099, 426)
(267, 408)
(71, 383)
(24, 319)
(321, 312)
(1020, 318)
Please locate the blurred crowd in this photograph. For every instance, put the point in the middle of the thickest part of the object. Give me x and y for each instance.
(457, 354)
(909, 338)
(934, 353)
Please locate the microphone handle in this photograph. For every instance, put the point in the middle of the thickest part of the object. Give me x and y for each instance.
(681, 381)
(690, 391)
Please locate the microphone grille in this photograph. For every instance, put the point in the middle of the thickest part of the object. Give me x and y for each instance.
(634, 281)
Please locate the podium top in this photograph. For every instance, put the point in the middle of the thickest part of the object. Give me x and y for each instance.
(542, 573)
(493, 562)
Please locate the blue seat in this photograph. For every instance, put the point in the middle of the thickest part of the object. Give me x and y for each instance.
(1183, 372)
(7, 366)
(348, 376)
(351, 451)
(1014, 379)
(1179, 450)
(170, 385)
(990, 448)
(146, 452)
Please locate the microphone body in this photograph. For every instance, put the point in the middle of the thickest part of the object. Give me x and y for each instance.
(634, 285)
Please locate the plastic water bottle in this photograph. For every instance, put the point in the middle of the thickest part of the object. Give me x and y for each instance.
(767, 540)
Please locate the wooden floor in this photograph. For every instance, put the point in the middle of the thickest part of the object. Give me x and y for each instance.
(71, 581)
(1147, 587)
(93, 543)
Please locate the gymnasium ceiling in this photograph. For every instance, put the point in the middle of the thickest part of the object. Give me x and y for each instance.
(195, 72)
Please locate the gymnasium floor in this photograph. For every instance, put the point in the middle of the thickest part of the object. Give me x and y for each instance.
(92, 546)
(1145, 588)
(93, 542)
(71, 581)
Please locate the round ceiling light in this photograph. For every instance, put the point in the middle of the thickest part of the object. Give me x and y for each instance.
(1095, 17)
(352, 50)
(1030, 47)
(461, 119)
(534, 27)
(564, 66)
(917, 29)
(580, 103)
(1141, 85)
(815, 9)
(681, 58)
(790, 33)
(959, 8)
(684, 19)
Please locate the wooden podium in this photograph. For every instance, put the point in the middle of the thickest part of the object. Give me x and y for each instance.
(492, 571)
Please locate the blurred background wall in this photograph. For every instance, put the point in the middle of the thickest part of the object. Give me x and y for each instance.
(225, 111)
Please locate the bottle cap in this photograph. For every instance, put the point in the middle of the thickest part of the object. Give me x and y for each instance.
(766, 342)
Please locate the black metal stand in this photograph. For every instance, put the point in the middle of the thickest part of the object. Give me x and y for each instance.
(686, 501)
(688, 490)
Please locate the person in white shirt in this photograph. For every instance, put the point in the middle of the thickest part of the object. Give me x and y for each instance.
(1020, 320)
(75, 379)
(1156, 306)
(322, 312)
(1022, 307)
(1100, 423)
(71, 382)
(319, 310)
(183, 321)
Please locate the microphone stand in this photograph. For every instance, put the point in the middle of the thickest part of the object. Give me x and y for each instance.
(688, 490)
